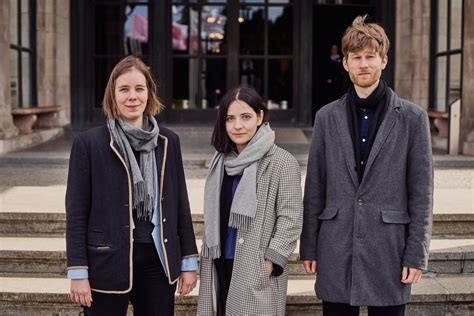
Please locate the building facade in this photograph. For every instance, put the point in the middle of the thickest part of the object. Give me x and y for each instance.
(61, 53)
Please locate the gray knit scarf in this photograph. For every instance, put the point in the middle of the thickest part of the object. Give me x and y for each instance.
(144, 140)
(244, 203)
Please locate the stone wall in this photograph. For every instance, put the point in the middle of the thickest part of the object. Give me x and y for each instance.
(412, 50)
(53, 52)
(53, 61)
(7, 129)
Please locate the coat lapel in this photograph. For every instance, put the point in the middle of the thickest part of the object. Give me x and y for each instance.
(385, 128)
(161, 154)
(263, 164)
(346, 140)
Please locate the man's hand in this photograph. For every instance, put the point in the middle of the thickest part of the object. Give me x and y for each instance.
(81, 292)
(187, 282)
(410, 275)
(309, 266)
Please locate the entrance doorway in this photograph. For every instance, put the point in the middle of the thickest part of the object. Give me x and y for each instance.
(330, 80)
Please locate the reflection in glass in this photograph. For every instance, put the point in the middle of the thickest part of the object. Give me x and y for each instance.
(252, 26)
(280, 25)
(184, 30)
(25, 24)
(25, 79)
(252, 1)
(136, 30)
(454, 78)
(14, 78)
(213, 30)
(13, 22)
(213, 81)
(251, 73)
(442, 25)
(456, 27)
(280, 83)
(440, 101)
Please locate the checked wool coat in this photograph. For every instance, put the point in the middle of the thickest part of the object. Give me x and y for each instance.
(273, 234)
(361, 235)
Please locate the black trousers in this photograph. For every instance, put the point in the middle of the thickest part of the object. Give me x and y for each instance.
(151, 294)
(224, 275)
(341, 309)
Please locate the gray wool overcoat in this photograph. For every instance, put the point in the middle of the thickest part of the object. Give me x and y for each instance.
(273, 235)
(363, 234)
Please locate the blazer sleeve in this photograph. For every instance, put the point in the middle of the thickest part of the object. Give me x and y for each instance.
(185, 223)
(314, 193)
(420, 195)
(289, 215)
(78, 204)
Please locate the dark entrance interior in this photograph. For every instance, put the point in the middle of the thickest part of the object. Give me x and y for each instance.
(329, 24)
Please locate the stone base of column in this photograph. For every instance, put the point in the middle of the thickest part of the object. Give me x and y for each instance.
(7, 129)
(468, 145)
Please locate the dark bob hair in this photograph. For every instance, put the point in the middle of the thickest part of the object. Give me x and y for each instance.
(220, 140)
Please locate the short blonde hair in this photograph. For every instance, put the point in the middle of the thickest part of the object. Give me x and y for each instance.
(362, 35)
(109, 105)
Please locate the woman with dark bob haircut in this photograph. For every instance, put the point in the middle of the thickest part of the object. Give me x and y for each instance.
(253, 213)
(129, 232)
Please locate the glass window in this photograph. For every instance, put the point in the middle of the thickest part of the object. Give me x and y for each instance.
(14, 22)
(22, 54)
(454, 78)
(213, 30)
(252, 73)
(442, 24)
(252, 30)
(456, 20)
(441, 84)
(184, 30)
(280, 24)
(14, 85)
(447, 57)
(280, 83)
(263, 44)
(213, 81)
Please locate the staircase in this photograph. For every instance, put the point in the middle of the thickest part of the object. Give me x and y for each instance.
(32, 253)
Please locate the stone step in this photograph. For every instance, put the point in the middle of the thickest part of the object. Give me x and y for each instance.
(44, 224)
(47, 257)
(434, 295)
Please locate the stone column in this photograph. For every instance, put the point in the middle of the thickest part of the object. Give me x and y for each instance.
(53, 56)
(412, 53)
(467, 101)
(7, 129)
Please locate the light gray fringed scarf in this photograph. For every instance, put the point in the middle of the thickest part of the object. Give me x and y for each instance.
(244, 203)
(144, 140)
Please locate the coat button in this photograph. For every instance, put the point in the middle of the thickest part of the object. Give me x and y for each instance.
(164, 220)
(360, 202)
(241, 241)
(165, 240)
(162, 198)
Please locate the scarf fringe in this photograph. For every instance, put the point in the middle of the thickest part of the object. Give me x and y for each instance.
(213, 252)
(145, 205)
(240, 221)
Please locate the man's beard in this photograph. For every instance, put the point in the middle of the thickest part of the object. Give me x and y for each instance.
(365, 83)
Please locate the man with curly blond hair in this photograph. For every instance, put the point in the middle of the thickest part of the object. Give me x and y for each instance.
(369, 188)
